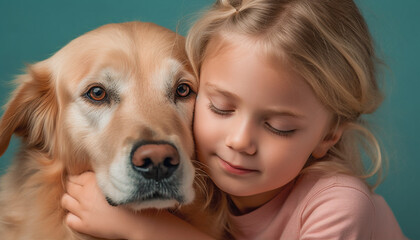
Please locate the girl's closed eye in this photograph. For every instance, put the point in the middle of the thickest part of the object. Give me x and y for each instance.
(222, 111)
(281, 131)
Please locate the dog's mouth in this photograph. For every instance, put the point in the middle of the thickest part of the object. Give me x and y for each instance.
(156, 196)
(155, 191)
(161, 191)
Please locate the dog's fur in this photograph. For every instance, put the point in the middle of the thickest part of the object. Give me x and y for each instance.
(64, 132)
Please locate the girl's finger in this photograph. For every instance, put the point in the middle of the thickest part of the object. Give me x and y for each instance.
(73, 189)
(74, 222)
(70, 204)
(82, 178)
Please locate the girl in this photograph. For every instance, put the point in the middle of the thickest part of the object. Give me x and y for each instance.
(284, 85)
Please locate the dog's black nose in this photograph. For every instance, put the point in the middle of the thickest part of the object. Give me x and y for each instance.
(155, 161)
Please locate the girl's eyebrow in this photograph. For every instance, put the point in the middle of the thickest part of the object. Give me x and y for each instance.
(214, 88)
(283, 113)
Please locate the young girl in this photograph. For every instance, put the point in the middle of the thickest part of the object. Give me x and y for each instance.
(278, 125)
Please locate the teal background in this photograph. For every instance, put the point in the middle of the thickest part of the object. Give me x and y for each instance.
(31, 31)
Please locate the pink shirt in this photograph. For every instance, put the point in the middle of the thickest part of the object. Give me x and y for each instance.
(316, 207)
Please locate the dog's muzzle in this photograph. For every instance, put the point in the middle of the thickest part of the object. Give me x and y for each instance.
(156, 175)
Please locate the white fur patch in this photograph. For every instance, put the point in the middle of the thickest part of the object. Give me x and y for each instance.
(165, 75)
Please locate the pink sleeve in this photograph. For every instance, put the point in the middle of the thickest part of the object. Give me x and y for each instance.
(338, 212)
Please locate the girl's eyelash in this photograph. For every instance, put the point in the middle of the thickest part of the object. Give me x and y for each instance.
(275, 131)
(219, 111)
(279, 132)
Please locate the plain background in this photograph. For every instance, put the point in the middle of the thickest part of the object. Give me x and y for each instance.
(31, 31)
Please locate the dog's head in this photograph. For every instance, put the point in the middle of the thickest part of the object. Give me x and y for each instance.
(119, 101)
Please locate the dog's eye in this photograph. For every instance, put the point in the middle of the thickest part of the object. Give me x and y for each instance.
(183, 90)
(96, 93)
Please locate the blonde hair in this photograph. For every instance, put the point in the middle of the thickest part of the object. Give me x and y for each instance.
(329, 44)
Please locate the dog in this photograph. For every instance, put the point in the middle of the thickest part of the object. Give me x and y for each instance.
(118, 101)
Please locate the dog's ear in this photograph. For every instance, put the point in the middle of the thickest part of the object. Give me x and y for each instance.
(31, 111)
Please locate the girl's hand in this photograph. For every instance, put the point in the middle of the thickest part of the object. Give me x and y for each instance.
(89, 212)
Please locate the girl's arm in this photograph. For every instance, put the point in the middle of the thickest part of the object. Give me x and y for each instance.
(89, 213)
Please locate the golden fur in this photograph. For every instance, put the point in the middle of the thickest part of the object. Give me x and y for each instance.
(62, 132)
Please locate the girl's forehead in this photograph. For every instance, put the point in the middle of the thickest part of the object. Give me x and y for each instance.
(248, 74)
(226, 41)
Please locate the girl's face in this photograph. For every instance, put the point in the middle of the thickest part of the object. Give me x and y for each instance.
(256, 122)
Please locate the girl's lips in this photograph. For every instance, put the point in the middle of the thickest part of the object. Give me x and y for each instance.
(234, 169)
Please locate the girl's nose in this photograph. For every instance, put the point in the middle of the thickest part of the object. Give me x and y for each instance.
(241, 139)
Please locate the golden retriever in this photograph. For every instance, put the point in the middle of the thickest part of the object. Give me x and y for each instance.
(117, 100)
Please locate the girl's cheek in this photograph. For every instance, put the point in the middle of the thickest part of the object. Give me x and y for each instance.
(199, 120)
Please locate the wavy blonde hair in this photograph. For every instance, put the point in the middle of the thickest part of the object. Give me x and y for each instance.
(329, 44)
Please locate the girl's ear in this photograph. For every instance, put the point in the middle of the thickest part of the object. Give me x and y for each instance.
(328, 142)
(31, 111)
